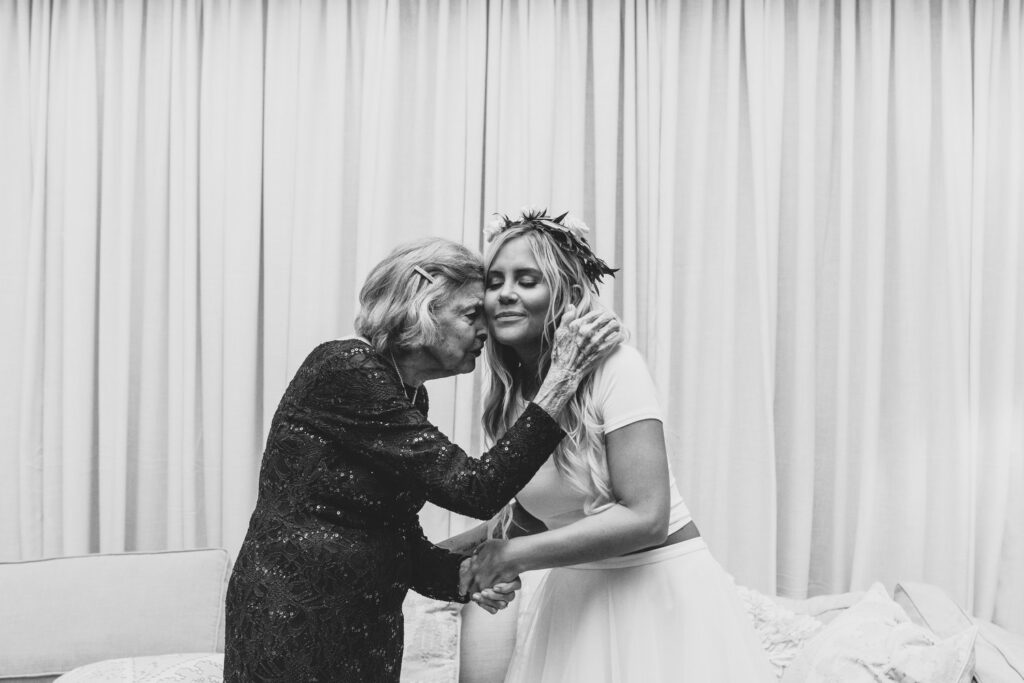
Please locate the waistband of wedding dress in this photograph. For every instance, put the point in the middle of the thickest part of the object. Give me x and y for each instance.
(662, 554)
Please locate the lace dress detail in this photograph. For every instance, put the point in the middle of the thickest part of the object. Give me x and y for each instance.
(335, 543)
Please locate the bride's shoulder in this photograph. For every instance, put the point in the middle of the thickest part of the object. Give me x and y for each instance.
(624, 357)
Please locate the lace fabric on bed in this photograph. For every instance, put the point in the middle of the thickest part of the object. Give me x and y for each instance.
(782, 631)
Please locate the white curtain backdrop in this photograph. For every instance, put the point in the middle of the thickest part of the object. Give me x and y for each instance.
(816, 207)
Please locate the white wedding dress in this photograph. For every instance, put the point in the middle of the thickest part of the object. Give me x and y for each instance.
(669, 614)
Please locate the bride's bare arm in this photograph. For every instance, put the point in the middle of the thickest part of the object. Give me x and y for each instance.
(638, 471)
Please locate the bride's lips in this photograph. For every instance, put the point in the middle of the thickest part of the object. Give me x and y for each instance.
(509, 315)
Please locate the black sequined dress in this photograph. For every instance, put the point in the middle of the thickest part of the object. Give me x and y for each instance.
(335, 543)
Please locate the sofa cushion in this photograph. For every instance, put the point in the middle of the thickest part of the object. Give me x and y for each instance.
(57, 614)
(181, 668)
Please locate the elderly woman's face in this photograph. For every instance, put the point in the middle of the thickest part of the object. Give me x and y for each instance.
(461, 324)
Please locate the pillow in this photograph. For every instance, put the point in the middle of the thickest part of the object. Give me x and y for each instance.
(928, 606)
(874, 640)
(824, 608)
(180, 668)
(999, 654)
(782, 631)
(432, 630)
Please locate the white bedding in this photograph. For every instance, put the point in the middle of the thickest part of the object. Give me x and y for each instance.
(998, 653)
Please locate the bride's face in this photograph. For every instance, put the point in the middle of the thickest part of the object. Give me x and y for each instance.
(516, 298)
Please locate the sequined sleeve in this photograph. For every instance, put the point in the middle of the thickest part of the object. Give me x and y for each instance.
(436, 570)
(358, 402)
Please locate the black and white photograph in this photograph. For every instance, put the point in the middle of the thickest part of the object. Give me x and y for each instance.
(512, 341)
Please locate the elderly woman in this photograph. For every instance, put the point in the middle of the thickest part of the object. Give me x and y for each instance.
(334, 543)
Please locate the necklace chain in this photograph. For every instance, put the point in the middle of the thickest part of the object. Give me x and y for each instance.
(415, 391)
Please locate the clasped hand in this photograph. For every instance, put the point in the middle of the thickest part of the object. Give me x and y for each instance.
(488, 577)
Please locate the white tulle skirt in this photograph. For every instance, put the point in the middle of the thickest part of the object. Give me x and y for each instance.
(670, 614)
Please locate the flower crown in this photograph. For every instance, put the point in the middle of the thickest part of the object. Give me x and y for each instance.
(568, 233)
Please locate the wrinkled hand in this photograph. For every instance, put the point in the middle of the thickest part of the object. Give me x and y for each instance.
(491, 598)
(489, 577)
(580, 342)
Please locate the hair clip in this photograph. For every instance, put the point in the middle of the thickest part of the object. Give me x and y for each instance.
(426, 276)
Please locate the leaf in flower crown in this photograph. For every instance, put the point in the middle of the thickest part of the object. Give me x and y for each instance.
(531, 212)
(568, 236)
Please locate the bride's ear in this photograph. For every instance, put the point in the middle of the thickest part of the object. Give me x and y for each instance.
(575, 295)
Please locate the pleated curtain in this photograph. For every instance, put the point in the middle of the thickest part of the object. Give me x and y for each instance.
(816, 207)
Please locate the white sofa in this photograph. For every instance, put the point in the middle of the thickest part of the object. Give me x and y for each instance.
(154, 615)
(58, 614)
(160, 617)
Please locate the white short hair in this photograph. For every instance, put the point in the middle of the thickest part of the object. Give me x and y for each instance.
(398, 303)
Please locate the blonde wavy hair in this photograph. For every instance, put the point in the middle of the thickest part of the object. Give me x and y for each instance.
(580, 457)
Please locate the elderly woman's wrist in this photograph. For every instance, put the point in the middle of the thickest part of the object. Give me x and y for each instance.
(557, 389)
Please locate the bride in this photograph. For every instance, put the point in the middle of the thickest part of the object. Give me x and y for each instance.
(635, 594)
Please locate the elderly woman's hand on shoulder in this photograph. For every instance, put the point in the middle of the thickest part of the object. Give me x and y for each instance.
(580, 343)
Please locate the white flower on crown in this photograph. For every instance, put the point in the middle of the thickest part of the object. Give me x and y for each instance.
(529, 210)
(493, 227)
(575, 226)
